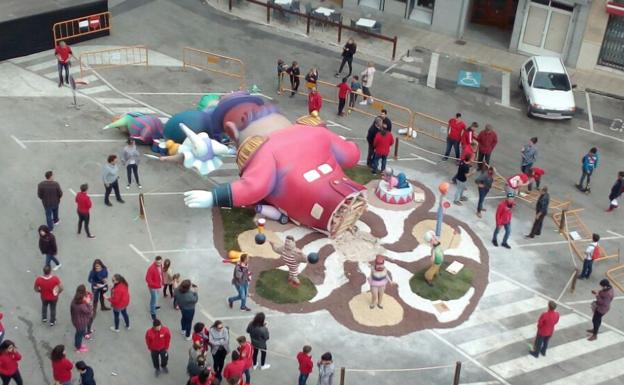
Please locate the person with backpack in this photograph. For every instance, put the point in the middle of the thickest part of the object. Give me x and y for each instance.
(240, 279)
(616, 190)
(600, 306)
(259, 334)
(47, 246)
(9, 363)
(592, 252)
(590, 163)
(49, 287)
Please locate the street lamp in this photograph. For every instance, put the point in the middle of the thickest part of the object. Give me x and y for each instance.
(443, 204)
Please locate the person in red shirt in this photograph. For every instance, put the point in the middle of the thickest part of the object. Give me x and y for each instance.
(83, 203)
(119, 300)
(9, 358)
(62, 53)
(503, 219)
(381, 145)
(467, 138)
(305, 364)
(343, 92)
(206, 377)
(545, 329)
(456, 127)
(315, 101)
(487, 140)
(245, 349)
(235, 368)
(536, 174)
(154, 280)
(157, 339)
(516, 182)
(61, 366)
(49, 287)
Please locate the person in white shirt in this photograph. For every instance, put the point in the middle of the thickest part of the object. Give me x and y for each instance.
(591, 253)
(367, 77)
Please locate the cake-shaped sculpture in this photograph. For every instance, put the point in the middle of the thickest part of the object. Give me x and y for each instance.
(394, 190)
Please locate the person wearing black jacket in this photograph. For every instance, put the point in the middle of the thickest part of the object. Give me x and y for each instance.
(541, 209)
(47, 246)
(370, 138)
(616, 191)
(86, 373)
(347, 56)
(50, 193)
(294, 72)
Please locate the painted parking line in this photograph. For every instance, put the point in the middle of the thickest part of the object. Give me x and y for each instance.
(433, 70)
(138, 252)
(334, 124)
(601, 134)
(19, 142)
(590, 117)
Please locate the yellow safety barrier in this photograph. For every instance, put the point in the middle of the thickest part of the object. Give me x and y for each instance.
(82, 26)
(212, 62)
(614, 275)
(430, 126)
(114, 57)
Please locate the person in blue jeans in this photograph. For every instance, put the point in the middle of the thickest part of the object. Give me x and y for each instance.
(592, 252)
(50, 193)
(185, 296)
(240, 279)
(503, 219)
(484, 184)
(47, 246)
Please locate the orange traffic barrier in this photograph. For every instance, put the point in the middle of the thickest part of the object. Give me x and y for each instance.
(212, 62)
(82, 26)
(114, 57)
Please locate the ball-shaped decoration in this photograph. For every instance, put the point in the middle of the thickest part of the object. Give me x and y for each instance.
(446, 204)
(313, 257)
(429, 236)
(315, 114)
(260, 238)
(444, 187)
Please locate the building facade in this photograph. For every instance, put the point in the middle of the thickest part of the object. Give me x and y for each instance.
(602, 45)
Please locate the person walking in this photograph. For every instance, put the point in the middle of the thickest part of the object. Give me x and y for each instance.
(616, 190)
(240, 279)
(367, 76)
(343, 92)
(315, 101)
(541, 210)
(219, 342)
(356, 88)
(312, 78)
(326, 369)
(61, 366)
(484, 184)
(463, 173)
(378, 279)
(590, 163)
(545, 329)
(348, 51)
(50, 193)
(131, 157)
(373, 130)
(503, 219)
(9, 363)
(83, 203)
(119, 300)
(110, 177)
(87, 376)
(167, 278)
(186, 298)
(157, 339)
(63, 52)
(456, 127)
(600, 306)
(81, 310)
(49, 288)
(47, 246)
(304, 358)
(487, 139)
(529, 155)
(154, 280)
(592, 252)
(382, 143)
(294, 72)
(245, 350)
(259, 334)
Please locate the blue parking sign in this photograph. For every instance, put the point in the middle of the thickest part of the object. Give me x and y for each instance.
(469, 79)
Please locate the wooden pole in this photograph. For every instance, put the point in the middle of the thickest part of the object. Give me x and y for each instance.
(396, 148)
(308, 26)
(268, 13)
(573, 286)
(562, 222)
(343, 372)
(457, 373)
(141, 206)
(394, 45)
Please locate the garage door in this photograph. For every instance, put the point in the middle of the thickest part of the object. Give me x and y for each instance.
(612, 51)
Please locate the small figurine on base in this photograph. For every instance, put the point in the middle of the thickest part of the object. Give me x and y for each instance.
(291, 256)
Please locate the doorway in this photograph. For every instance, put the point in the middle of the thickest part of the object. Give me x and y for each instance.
(421, 11)
(491, 22)
(546, 28)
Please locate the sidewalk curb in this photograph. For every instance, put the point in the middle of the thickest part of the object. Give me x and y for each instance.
(603, 93)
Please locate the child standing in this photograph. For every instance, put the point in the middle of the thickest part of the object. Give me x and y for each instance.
(326, 369)
(167, 278)
(343, 91)
(315, 101)
(590, 163)
(305, 364)
(294, 72)
(591, 253)
(356, 87)
(281, 70)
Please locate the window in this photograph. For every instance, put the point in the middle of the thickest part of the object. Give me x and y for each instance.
(530, 76)
(551, 81)
(528, 66)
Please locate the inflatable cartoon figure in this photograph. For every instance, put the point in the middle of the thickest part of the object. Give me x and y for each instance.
(291, 256)
(143, 128)
(290, 169)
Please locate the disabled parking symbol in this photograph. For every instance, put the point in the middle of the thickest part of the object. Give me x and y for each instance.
(469, 79)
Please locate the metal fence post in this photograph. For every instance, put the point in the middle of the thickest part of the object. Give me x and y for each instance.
(394, 45)
(339, 29)
(230, 5)
(457, 373)
(343, 371)
(268, 13)
(308, 26)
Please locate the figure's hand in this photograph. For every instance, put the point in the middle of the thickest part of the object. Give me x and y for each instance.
(198, 199)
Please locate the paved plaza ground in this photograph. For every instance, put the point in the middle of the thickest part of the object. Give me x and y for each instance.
(41, 132)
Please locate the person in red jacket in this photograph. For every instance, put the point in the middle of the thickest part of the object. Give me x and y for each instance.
(315, 101)
(503, 219)
(456, 127)
(545, 329)
(245, 349)
(235, 368)
(157, 339)
(205, 377)
(381, 147)
(119, 300)
(343, 92)
(487, 140)
(536, 174)
(9, 369)
(61, 366)
(83, 202)
(154, 280)
(305, 364)
(467, 138)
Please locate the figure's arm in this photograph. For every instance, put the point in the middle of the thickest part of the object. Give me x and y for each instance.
(346, 152)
